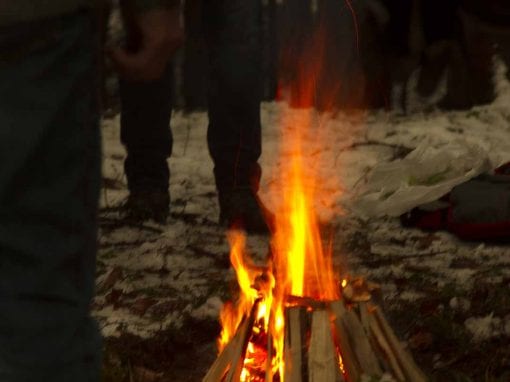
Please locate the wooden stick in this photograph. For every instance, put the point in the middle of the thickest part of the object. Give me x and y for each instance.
(363, 314)
(322, 361)
(269, 368)
(239, 352)
(389, 355)
(220, 366)
(351, 366)
(294, 343)
(359, 342)
(410, 369)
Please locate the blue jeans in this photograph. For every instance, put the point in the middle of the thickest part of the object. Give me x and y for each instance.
(234, 91)
(49, 191)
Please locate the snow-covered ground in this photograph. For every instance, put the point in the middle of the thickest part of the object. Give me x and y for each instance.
(153, 277)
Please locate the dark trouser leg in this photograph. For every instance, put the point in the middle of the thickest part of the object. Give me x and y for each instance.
(504, 50)
(438, 26)
(234, 134)
(400, 58)
(145, 132)
(479, 50)
(438, 33)
(470, 75)
(49, 190)
(194, 69)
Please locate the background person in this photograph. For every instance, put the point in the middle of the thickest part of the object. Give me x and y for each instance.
(232, 33)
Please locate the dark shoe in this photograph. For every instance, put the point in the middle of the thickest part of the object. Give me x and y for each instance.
(147, 205)
(241, 208)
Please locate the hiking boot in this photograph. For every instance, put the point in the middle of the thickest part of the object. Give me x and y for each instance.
(241, 208)
(148, 205)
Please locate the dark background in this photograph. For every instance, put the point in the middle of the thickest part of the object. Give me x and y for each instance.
(370, 48)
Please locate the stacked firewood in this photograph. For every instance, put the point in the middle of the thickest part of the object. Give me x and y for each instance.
(325, 341)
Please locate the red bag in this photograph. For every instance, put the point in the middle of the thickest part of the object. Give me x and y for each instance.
(478, 209)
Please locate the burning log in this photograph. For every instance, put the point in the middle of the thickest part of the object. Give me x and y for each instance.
(350, 365)
(306, 302)
(322, 361)
(324, 341)
(231, 359)
(224, 360)
(269, 366)
(359, 356)
(295, 344)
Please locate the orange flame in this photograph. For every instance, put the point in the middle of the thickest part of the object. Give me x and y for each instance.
(230, 315)
(300, 264)
(304, 267)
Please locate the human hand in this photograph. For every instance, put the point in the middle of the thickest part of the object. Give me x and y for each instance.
(157, 34)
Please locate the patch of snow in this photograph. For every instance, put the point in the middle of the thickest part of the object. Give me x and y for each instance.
(462, 277)
(210, 309)
(114, 322)
(460, 304)
(483, 328)
(411, 296)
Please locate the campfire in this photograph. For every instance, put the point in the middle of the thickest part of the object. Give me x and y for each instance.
(347, 339)
(296, 319)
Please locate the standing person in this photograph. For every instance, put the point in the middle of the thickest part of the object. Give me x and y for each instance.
(234, 132)
(50, 179)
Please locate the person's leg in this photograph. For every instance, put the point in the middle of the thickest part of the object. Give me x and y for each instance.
(195, 66)
(296, 26)
(438, 33)
(471, 70)
(479, 47)
(146, 134)
(234, 134)
(49, 191)
(503, 49)
(457, 95)
(400, 58)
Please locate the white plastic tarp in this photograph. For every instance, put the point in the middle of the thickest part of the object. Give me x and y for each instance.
(425, 175)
